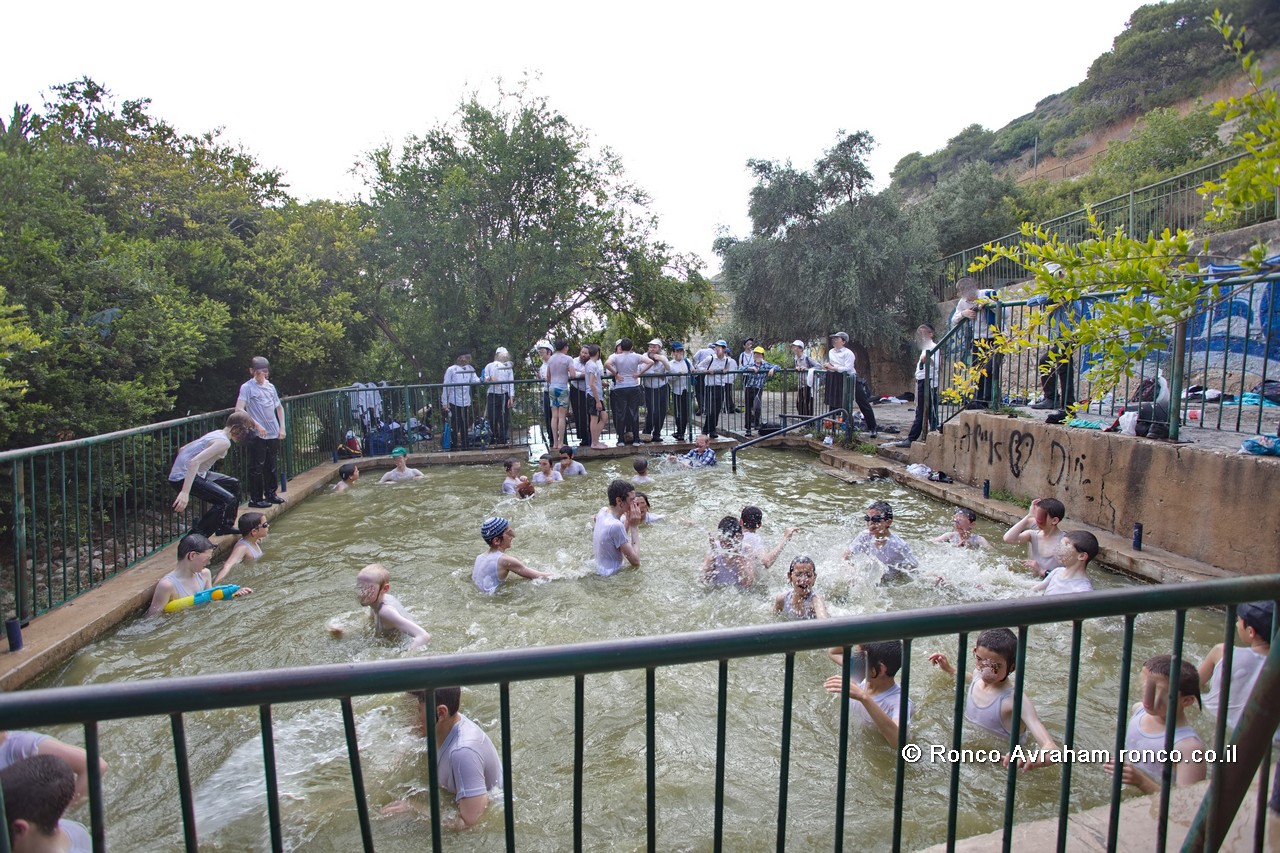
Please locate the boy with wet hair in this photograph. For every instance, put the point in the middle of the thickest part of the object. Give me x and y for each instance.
(373, 590)
(989, 704)
(347, 476)
(37, 792)
(752, 517)
(641, 467)
(962, 534)
(1254, 622)
(875, 698)
(1076, 548)
(195, 553)
(1144, 736)
(546, 473)
(889, 548)
(467, 764)
(801, 601)
(1039, 529)
(616, 540)
(568, 466)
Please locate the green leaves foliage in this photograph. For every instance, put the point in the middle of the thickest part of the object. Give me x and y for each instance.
(505, 226)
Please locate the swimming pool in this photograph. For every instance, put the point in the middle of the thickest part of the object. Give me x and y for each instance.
(426, 532)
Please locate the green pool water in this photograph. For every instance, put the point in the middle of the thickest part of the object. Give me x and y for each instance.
(427, 534)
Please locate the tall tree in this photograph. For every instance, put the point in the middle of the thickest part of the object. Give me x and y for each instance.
(825, 254)
(503, 226)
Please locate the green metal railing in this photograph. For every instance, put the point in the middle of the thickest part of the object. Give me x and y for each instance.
(75, 513)
(1230, 344)
(337, 684)
(1172, 203)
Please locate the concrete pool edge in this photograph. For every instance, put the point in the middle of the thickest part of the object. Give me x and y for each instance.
(54, 637)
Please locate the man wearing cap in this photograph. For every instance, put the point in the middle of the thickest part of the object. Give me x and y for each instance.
(807, 366)
(716, 376)
(258, 397)
(500, 396)
(455, 399)
(842, 367)
(759, 372)
(679, 381)
(544, 350)
(653, 378)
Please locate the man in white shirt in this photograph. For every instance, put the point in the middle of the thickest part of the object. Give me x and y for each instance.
(455, 399)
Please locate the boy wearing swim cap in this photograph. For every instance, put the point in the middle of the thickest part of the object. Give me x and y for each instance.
(402, 471)
(493, 566)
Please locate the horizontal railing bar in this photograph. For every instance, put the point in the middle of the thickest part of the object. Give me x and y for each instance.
(52, 706)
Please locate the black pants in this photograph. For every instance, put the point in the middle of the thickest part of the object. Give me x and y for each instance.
(655, 411)
(833, 395)
(626, 412)
(711, 410)
(460, 426)
(680, 411)
(582, 407)
(222, 495)
(1059, 376)
(917, 426)
(862, 396)
(496, 412)
(699, 392)
(263, 480)
(804, 400)
(988, 385)
(751, 406)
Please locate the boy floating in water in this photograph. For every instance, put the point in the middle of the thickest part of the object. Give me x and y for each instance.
(373, 585)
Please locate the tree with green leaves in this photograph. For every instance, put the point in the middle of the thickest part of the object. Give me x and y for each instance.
(826, 253)
(504, 226)
(1151, 285)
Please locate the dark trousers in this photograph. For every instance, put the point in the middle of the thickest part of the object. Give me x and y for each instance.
(546, 417)
(680, 411)
(460, 426)
(727, 390)
(655, 411)
(699, 392)
(496, 412)
(862, 396)
(922, 402)
(988, 385)
(582, 407)
(263, 480)
(804, 400)
(751, 406)
(1059, 376)
(833, 395)
(626, 412)
(711, 410)
(222, 495)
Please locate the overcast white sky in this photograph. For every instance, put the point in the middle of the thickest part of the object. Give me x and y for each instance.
(684, 92)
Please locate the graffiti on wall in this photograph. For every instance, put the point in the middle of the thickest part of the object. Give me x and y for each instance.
(1022, 452)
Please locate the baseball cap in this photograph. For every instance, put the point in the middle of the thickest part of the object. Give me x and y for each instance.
(844, 335)
(759, 350)
(494, 527)
(798, 344)
(1051, 267)
(722, 343)
(399, 451)
(675, 345)
(543, 344)
(656, 342)
(1257, 615)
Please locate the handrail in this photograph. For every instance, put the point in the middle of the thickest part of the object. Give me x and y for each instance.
(91, 704)
(733, 453)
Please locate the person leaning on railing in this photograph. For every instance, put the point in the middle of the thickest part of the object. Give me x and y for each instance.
(807, 366)
(191, 474)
